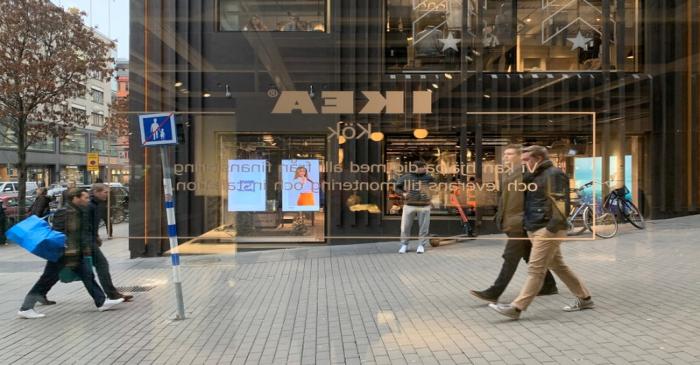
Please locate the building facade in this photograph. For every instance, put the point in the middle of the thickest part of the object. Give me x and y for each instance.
(352, 92)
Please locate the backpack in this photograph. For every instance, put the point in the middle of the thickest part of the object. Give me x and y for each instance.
(59, 220)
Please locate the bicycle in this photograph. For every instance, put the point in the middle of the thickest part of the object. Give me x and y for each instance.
(582, 217)
(618, 199)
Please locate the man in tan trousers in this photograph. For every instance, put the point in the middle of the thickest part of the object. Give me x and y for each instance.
(545, 223)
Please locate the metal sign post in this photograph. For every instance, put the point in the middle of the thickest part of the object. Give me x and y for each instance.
(159, 130)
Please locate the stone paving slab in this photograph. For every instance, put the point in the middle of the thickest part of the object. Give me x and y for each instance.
(365, 304)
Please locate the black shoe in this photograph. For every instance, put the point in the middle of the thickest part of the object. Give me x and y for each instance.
(46, 301)
(548, 291)
(484, 295)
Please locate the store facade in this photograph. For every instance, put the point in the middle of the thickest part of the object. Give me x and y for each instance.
(338, 98)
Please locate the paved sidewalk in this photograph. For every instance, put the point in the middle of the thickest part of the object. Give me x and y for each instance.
(366, 304)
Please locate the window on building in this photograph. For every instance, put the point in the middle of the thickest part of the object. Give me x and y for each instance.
(97, 120)
(97, 96)
(272, 15)
(423, 35)
(74, 143)
(536, 35)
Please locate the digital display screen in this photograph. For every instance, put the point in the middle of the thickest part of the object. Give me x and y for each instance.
(247, 185)
(301, 185)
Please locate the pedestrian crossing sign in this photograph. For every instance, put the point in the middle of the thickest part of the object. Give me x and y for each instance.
(157, 129)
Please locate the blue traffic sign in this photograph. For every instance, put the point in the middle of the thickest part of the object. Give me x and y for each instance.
(157, 129)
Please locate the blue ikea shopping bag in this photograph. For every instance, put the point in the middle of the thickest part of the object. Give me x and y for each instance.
(36, 236)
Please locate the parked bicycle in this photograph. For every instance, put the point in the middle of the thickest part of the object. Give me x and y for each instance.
(618, 203)
(582, 216)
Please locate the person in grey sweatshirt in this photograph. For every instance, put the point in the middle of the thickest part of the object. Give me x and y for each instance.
(415, 187)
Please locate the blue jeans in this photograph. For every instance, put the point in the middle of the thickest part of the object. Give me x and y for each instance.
(50, 277)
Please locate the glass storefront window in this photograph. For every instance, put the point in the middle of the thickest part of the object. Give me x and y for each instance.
(254, 203)
(423, 35)
(7, 140)
(74, 143)
(272, 15)
(440, 153)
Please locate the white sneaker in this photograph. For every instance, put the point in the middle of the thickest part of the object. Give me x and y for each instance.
(109, 303)
(420, 249)
(30, 314)
(403, 249)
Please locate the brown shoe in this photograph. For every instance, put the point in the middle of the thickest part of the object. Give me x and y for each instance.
(484, 295)
(126, 297)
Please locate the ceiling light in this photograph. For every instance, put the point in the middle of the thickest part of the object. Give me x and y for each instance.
(448, 76)
(420, 133)
(376, 136)
(487, 96)
(206, 94)
(178, 83)
(435, 85)
(528, 20)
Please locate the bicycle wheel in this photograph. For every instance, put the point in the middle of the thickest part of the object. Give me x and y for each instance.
(605, 225)
(576, 223)
(117, 216)
(632, 214)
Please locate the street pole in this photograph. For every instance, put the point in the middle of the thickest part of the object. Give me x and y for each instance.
(172, 230)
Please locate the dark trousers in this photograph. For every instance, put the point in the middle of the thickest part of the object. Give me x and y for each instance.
(518, 247)
(108, 225)
(3, 228)
(102, 268)
(50, 277)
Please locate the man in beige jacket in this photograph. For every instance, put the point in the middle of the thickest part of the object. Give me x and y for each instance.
(509, 220)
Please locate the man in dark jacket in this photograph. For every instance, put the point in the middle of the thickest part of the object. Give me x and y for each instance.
(41, 207)
(3, 224)
(99, 195)
(77, 257)
(545, 222)
(509, 219)
(415, 187)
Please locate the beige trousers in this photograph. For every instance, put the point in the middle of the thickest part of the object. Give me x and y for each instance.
(546, 254)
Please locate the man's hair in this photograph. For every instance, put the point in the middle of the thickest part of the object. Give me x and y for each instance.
(419, 164)
(98, 187)
(513, 146)
(75, 192)
(536, 151)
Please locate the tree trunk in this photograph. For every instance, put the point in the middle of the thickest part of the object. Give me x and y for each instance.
(22, 168)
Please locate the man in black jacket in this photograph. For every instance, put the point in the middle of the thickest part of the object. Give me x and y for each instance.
(77, 257)
(99, 196)
(41, 207)
(545, 222)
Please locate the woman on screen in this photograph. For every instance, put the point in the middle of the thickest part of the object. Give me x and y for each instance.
(303, 186)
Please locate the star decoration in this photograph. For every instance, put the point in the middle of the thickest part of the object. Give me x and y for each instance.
(449, 42)
(579, 42)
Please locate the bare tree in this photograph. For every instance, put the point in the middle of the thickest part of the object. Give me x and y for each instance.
(117, 123)
(46, 55)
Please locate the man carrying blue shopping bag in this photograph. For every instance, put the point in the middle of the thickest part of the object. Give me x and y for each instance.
(77, 259)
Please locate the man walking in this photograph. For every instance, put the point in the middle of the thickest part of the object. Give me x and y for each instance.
(546, 226)
(509, 220)
(415, 187)
(99, 195)
(41, 206)
(77, 257)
